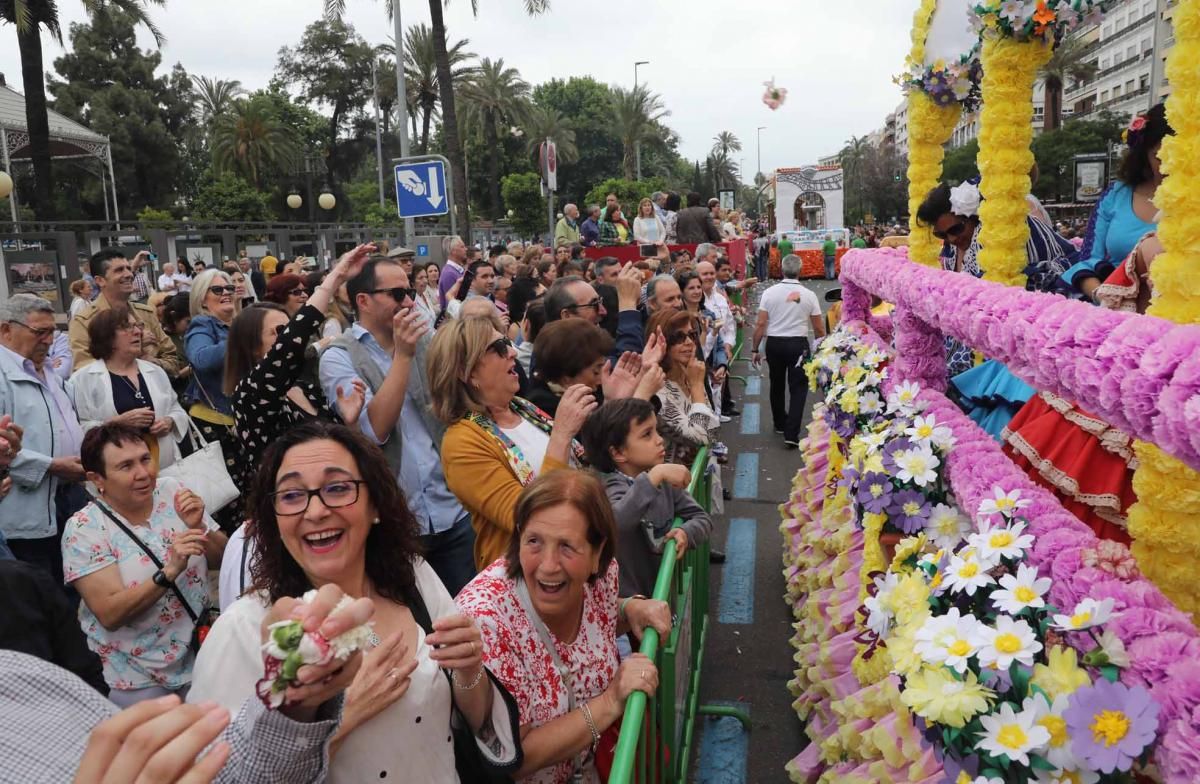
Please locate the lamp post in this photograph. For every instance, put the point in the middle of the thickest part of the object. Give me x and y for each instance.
(402, 105)
(758, 189)
(378, 139)
(637, 143)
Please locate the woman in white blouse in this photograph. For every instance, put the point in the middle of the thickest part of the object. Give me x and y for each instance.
(686, 421)
(648, 228)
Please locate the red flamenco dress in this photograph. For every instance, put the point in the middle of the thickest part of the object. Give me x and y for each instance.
(1079, 457)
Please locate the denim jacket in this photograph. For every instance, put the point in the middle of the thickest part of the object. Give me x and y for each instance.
(205, 344)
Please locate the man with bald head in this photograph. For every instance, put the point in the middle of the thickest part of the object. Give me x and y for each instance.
(566, 233)
(662, 293)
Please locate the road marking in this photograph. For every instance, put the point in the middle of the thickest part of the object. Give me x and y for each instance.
(750, 418)
(724, 746)
(737, 576)
(753, 385)
(745, 480)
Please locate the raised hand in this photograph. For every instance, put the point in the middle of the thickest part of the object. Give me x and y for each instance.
(655, 350)
(383, 678)
(350, 403)
(620, 380)
(407, 328)
(577, 403)
(352, 261)
(190, 508)
(652, 379)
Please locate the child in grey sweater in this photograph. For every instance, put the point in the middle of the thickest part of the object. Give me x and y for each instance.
(621, 439)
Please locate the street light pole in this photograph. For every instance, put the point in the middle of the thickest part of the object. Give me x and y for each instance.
(637, 143)
(378, 139)
(757, 185)
(402, 103)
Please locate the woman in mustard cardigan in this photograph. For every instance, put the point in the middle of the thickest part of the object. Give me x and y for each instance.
(496, 443)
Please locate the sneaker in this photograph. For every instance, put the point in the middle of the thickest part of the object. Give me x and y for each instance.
(719, 449)
(779, 430)
(725, 419)
(791, 444)
(732, 412)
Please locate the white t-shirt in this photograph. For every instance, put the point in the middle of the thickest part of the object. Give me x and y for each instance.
(166, 282)
(787, 319)
(235, 572)
(532, 443)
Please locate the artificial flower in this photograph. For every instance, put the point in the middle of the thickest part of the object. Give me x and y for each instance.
(1008, 641)
(879, 615)
(1061, 675)
(1002, 541)
(925, 431)
(1110, 724)
(966, 575)
(936, 695)
(1022, 590)
(908, 511)
(904, 397)
(947, 639)
(874, 493)
(1066, 776)
(1011, 735)
(946, 527)
(872, 441)
(1002, 503)
(1049, 714)
(869, 403)
(917, 465)
(909, 600)
(965, 199)
(1088, 613)
(893, 448)
(1112, 558)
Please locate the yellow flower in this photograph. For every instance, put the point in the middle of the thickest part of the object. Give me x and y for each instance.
(1061, 675)
(873, 464)
(907, 548)
(901, 644)
(910, 598)
(929, 128)
(936, 695)
(854, 376)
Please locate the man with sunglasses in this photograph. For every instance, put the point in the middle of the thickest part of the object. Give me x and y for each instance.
(385, 349)
(113, 275)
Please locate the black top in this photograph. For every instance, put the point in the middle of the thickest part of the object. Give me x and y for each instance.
(125, 397)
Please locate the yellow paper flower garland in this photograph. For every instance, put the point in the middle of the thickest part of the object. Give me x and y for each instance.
(1165, 523)
(1009, 70)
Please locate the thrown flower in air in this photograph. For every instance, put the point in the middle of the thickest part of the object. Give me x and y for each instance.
(946, 639)
(1003, 503)
(1008, 641)
(1111, 724)
(966, 575)
(1002, 541)
(946, 527)
(1011, 735)
(774, 96)
(1088, 613)
(917, 465)
(1020, 591)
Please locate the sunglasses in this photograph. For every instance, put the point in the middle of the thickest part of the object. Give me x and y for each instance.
(221, 291)
(594, 303)
(398, 293)
(298, 293)
(953, 231)
(680, 337)
(500, 347)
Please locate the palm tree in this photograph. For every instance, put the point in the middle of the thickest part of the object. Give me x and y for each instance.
(216, 96)
(852, 157)
(29, 17)
(726, 143)
(636, 114)
(1070, 61)
(445, 78)
(543, 123)
(496, 97)
(249, 139)
(721, 169)
(420, 74)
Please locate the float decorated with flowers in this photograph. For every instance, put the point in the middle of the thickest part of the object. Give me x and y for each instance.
(953, 622)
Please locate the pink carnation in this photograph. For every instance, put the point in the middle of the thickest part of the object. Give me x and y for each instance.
(1151, 656)
(1113, 558)
(1178, 753)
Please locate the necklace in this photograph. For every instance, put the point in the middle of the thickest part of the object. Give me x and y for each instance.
(136, 388)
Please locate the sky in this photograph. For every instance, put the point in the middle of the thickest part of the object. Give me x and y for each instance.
(708, 59)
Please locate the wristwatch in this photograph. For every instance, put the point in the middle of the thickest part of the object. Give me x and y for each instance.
(161, 580)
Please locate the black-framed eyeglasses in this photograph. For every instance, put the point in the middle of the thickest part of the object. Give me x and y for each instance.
(500, 347)
(593, 303)
(953, 231)
(334, 495)
(399, 293)
(680, 337)
(38, 332)
(221, 291)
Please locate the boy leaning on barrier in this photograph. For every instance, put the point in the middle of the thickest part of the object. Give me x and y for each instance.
(621, 440)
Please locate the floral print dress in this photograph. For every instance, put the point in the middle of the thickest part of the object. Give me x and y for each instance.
(151, 650)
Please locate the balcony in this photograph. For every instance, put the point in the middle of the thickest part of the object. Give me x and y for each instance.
(1117, 36)
(1113, 102)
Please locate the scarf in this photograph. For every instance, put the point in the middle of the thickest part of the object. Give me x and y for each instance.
(516, 458)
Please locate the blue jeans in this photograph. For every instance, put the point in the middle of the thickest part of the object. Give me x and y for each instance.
(760, 266)
(830, 267)
(451, 553)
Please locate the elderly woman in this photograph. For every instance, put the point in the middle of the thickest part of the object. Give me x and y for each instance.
(287, 290)
(139, 557)
(120, 387)
(497, 443)
(686, 420)
(327, 511)
(81, 296)
(550, 612)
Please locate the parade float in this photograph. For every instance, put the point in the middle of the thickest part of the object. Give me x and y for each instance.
(953, 622)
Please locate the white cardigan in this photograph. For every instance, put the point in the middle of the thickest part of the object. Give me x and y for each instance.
(91, 391)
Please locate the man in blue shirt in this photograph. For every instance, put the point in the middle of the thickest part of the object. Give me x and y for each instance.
(589, 230)
(385, 349)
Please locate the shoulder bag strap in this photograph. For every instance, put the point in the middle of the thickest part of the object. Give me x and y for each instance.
(159, 564)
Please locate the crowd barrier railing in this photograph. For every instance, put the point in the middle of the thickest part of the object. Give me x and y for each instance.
(657, 732)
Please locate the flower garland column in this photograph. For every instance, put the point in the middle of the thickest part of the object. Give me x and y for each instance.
(1165, 523)
(1010, 68)
(920, 350)
(929, 128)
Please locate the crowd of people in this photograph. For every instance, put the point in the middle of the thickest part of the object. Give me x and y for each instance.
(487, 456)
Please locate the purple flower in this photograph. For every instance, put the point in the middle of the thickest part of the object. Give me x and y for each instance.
(889, 453)
(1110, 724)
(874, 493)
(1179, 693)
(909, 511)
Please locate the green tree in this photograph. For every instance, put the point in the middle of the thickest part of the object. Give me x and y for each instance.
(959, 163)
(109, 84)
(635, 114)
(543, 122)
(699, 184)
(216, 96)
(726, 143)
(30, 17)
(587, 105)
(628, 192)
(249, 139)
(495, 98)
(1070, 61)
(229, 198)
(523, 195)
(1055, 151)
(420, 75)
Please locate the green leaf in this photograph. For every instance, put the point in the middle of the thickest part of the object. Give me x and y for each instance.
(1020, 679)
(1040, 763)
(1110, 672)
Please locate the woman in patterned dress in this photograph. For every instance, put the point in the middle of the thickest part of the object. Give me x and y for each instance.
(554, 596)
(685, 419)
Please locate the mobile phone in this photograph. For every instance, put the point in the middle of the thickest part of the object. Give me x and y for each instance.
(648, 251)
(153, 256)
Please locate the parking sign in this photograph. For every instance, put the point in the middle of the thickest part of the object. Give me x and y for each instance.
(421, 189)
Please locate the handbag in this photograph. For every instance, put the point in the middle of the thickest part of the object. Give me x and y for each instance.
(469, 762)
(204, 472)
(201, 622)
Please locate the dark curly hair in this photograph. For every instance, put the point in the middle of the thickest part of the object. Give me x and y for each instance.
(1135, 165)
(391, 547)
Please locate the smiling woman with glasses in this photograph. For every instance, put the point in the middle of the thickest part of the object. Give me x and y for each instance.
(496, 442)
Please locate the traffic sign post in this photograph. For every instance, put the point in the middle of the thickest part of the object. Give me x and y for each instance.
(422, 188)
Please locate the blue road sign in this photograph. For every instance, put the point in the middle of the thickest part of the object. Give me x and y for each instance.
(421, 189)
(422, 250)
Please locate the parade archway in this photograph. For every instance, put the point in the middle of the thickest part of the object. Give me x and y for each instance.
(809, 198)
(808, 211)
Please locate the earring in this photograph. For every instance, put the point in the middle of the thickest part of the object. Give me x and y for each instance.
(375, 521)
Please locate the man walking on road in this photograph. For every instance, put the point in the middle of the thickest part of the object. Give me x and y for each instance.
(789, 315)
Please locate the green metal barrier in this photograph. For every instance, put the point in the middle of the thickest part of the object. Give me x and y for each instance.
(657, 732)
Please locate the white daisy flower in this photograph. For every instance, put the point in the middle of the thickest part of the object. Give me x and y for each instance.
(918, 466)
(1025, 589)
(967, 575)
(1113, 649)
(927, 432)
(1088, 613)
(1008, 641)
(1003, 503)
(1003, 541)
(869, 403)
(946, 528)
(879, 617)
(1011, 735)
(872, 441)
(904, 397)
(946, 639)
(1050, 715)
(1066, 776)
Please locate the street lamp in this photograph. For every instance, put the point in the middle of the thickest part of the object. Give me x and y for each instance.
(6, 184)
(295, 201)
(637, 144)
(757, 185)
(327, 200)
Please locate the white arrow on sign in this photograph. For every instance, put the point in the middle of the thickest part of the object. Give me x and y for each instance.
(435, 190)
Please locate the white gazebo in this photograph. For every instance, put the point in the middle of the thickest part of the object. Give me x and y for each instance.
(68, 141)
(809, 197)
